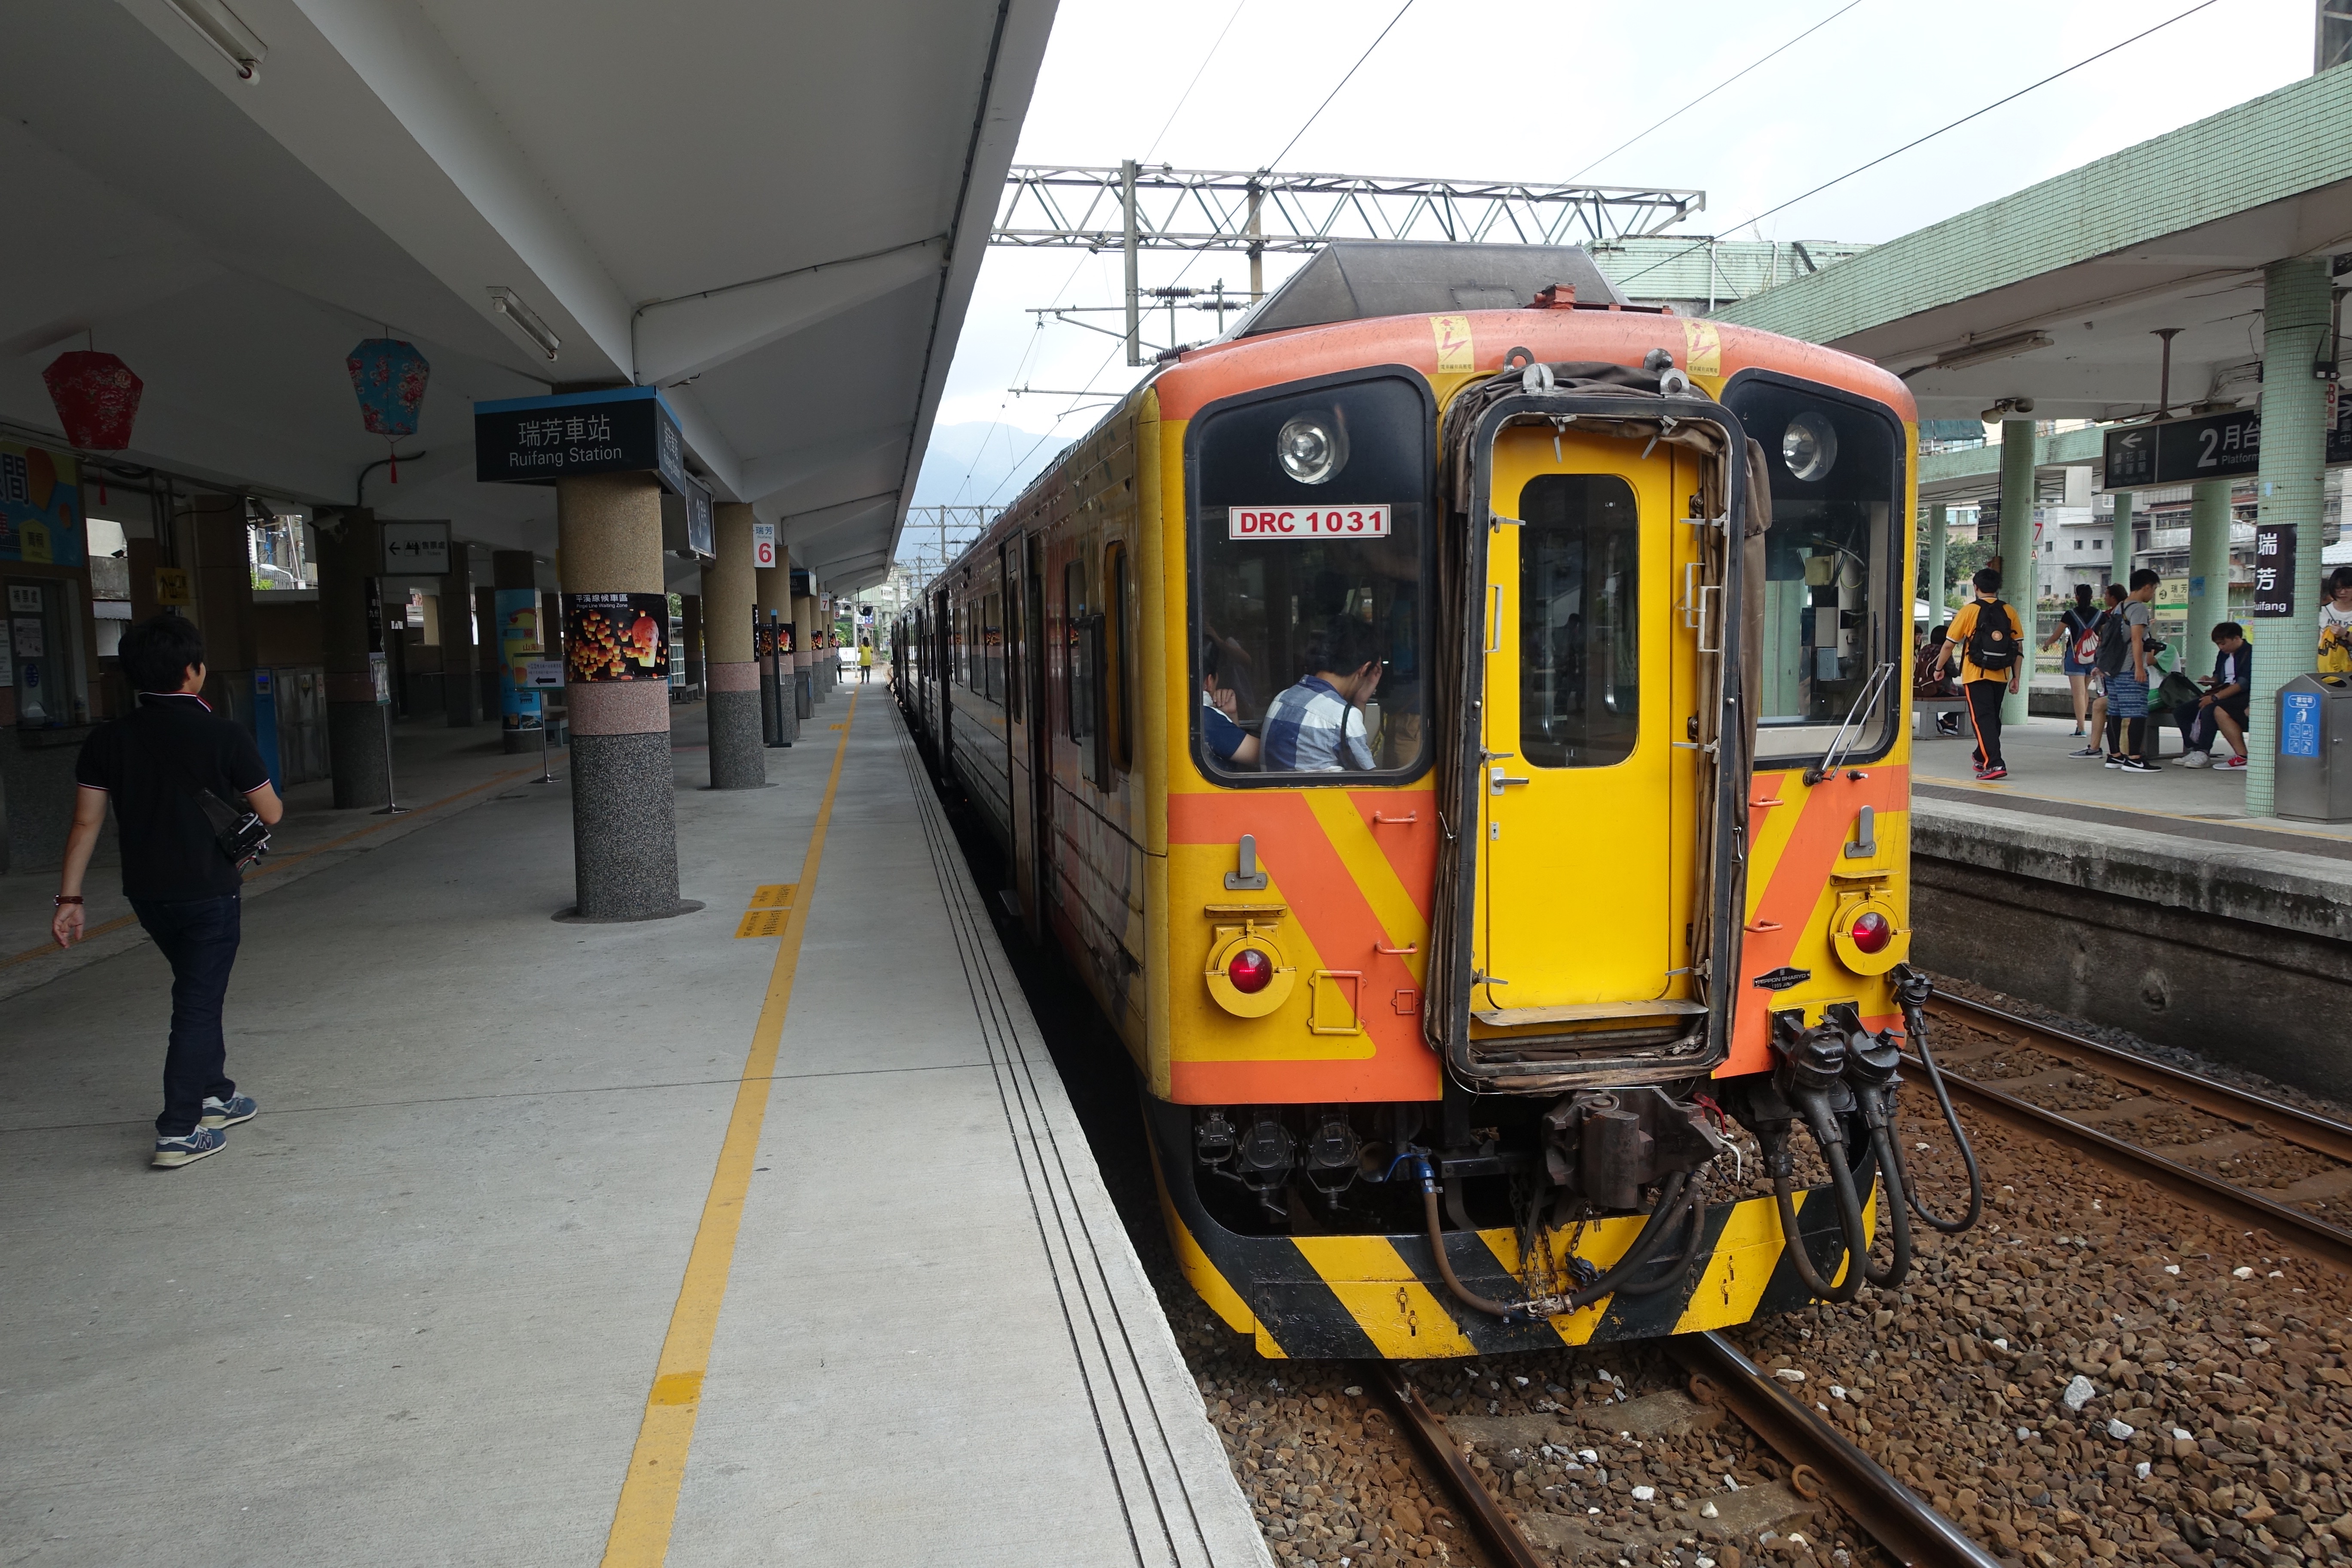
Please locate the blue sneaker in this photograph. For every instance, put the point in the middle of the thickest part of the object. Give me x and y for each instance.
(171, 1153)
(236, 1108)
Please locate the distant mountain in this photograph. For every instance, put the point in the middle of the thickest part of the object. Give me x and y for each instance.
(975, 463)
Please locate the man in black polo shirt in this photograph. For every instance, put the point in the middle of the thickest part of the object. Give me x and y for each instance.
(183, 888)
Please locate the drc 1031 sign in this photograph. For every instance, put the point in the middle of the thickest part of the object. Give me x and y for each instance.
(1307, 522)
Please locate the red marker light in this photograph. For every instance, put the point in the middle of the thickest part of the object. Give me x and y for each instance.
(1251, 970)
(1872, 931)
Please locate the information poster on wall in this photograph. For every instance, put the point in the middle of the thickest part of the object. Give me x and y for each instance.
(518, 647)
(40, 506)
(616, 636)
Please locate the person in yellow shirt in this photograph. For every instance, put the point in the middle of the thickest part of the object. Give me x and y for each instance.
(865, 660)
(1991, 645)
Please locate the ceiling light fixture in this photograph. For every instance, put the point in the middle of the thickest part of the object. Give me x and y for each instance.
(224, 30)
(509, 303)
(1998, 348)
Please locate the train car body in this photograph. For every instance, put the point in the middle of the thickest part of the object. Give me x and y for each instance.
(1461, 752)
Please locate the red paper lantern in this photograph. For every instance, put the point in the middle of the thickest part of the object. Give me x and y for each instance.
(97, 398)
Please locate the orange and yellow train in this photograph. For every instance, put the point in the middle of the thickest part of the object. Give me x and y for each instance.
(1463, 753)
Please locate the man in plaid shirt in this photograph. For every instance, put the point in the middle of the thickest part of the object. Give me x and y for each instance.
(1317, 725)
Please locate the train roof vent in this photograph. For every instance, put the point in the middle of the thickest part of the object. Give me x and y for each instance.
(1358, 279)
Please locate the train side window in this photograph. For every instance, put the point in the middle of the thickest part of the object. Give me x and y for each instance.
(1078, 663)
(1016, 647)
(1580, 626)
(1115, 656)
(991, 647)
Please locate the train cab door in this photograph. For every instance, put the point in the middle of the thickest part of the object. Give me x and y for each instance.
(1589, 778)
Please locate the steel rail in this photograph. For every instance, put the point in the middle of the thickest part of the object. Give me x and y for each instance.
(1888, 1511)
(1426, 1431)
(2236, 1203)
(2317, 1133)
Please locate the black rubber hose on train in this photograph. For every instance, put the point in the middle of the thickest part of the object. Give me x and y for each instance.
(1913, 989)
(1898, 1216)
(1849, 1213)
(1665, 1218)
(1672, 1271)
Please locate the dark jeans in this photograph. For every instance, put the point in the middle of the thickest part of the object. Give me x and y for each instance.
(2199, 726)
(1984, 711)
(199, 938)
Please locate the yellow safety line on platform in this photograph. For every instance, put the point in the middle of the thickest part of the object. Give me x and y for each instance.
(119, 921)
(648, 1502)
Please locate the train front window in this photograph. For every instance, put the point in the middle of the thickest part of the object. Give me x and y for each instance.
(1312, 549)
(1833, 566)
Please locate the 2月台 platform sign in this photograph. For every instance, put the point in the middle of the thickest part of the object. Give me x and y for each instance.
(539, 440)
(2215, 446)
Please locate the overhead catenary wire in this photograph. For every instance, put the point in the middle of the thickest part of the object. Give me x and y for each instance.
(1352, 69)
(1699, 245)
(1718, 86)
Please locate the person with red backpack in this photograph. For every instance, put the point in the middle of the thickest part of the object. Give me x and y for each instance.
(2078, 630)
(1992, 642)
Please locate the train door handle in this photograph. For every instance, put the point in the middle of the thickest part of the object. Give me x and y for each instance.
(1246, 877)
(1498, 781)
(1496, 644)
(1866, 835)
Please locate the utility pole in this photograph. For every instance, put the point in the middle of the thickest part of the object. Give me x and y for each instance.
(1134, 303)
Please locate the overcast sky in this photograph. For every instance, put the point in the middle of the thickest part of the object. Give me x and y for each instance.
(1484, 90)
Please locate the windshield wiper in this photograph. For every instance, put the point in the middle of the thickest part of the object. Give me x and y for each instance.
(1850, 729)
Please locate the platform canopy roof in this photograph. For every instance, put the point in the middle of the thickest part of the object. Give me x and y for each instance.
(774, 211)
(2054, 292)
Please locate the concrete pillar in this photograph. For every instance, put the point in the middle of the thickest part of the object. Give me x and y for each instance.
(1939, 524)
(777, 725)
(730, 670)
(623, 813)
(460, 692)
(223, 581)
(2292, 488)
(804, 693)
(350, 552)
(2208, 572)
(521, 710)
(2119, 548)
(2018, 566)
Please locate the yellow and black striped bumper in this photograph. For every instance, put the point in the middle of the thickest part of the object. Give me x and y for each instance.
(1332, 1296)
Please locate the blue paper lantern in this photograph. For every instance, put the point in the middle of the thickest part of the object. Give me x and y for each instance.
(388, 377)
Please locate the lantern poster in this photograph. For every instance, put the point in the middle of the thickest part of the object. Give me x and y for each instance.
(40, 506)
(616, 636)
(518, 647)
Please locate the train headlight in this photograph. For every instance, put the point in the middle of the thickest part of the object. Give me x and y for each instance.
(1808, 446)
(1312, 447)
(1246, 974)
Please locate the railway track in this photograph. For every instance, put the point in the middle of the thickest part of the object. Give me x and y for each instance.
(2187, 1122)
(1824, 1462)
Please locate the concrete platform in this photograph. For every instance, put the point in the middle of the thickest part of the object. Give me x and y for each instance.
(769, 1249)
(2149, 902)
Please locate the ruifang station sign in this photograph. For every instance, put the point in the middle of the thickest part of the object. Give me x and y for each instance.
(539, 440)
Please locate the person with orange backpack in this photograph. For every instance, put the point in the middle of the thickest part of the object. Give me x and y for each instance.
(1992, 663)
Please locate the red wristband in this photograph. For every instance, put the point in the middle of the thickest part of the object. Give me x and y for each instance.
(65, 898)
